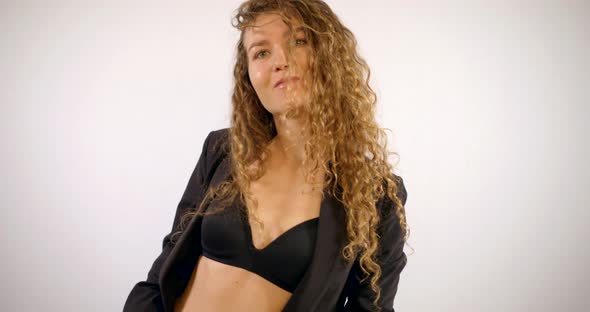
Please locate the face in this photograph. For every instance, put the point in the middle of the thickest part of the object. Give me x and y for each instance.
(267, 46)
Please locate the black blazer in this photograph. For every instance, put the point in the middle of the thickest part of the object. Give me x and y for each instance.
(328, 280)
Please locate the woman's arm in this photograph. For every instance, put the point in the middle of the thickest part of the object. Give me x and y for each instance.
(145, 295)
(392, 260)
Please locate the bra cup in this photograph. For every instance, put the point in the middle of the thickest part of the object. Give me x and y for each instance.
(226, 237)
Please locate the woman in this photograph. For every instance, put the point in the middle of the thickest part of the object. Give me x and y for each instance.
(294, 207)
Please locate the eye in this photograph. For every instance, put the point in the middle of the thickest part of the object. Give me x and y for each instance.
(257, 55)
(301, 40)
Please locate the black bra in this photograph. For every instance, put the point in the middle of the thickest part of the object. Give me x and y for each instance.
(226, 237)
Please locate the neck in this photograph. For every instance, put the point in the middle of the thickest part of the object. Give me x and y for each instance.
(287, 149)
(289, 143)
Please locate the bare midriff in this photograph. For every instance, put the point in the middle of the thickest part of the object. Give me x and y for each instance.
(215, 286)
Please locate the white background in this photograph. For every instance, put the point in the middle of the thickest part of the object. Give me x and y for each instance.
(105, 106)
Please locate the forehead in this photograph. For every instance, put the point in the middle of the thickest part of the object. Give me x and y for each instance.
(268, 24)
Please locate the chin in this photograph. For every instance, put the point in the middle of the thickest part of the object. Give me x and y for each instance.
(284, 109)
(281, 104)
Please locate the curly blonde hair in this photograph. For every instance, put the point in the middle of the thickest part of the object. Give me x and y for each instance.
(344, 138)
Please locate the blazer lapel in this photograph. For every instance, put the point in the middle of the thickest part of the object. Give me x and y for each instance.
(330, 240)
(177, 269)
(179, 265)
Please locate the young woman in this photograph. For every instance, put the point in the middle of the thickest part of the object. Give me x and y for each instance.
(295, 206)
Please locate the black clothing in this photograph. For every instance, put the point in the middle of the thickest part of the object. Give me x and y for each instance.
(328, 281)
(227, 237)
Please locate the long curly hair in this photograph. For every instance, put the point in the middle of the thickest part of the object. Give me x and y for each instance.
(344, 139)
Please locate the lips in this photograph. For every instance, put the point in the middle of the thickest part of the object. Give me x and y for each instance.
(283, 81)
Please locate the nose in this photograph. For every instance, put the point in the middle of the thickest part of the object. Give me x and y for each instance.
(280, 60)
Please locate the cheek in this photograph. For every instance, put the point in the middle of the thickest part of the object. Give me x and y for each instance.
(302, 60)
(259, 78)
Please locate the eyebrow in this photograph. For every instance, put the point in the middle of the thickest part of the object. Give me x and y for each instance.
(264, 41)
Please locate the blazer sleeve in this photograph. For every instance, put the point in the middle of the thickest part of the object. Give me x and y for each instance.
(145, 295)
(391, 258)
